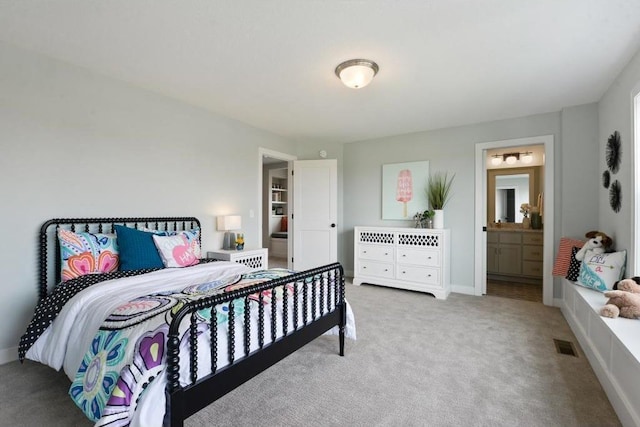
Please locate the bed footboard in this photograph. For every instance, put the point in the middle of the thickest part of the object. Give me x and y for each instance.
(313, 301)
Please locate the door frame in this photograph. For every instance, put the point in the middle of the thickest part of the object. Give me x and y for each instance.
(265, 152)
(480, 267)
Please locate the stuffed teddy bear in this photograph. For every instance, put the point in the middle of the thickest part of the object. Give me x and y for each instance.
(627, 285)
(624, 302)
(598, 242)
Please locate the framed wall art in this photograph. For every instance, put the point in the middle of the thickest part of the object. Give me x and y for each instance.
(403, 189)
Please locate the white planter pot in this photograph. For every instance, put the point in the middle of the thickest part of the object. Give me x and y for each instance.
(438, 218)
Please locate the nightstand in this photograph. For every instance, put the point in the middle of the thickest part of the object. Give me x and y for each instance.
(257, 259)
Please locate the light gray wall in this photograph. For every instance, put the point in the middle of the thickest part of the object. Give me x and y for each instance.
(615, 113)
(579, 171)
(75, 143)
(576, 176)
(449, 150)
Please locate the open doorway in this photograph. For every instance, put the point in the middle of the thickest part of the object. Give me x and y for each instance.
(503, 249)
(276, 199)
(514, 242)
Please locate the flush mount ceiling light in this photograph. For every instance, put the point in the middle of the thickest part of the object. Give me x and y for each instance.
(512, 158)
(357, 73)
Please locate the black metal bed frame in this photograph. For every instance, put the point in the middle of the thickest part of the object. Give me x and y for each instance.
(320, 291)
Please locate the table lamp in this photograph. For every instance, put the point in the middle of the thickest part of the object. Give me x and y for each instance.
(228, 223)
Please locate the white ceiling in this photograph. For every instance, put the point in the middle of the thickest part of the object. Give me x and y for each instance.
(270, 63)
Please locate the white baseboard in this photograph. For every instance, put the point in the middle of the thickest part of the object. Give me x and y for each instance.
(459, 289)
(8, 355)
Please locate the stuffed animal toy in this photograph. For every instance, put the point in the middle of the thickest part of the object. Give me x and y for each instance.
(622, 303)
(628, 285)
(598, 242)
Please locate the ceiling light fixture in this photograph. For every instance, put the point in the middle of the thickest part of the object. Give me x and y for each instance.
(357, 73)
(512, 158)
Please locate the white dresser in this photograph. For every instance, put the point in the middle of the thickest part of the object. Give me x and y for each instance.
(409, 258)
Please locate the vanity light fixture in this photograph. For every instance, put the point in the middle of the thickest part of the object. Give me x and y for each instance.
(357, 73)
(512, 158)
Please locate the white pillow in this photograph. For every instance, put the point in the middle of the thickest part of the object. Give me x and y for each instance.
(177, 251)
(601, 271)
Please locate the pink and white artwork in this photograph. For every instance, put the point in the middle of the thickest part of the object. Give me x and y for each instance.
(403, 189)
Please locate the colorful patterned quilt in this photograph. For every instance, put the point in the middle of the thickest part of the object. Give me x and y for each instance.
(128, 351)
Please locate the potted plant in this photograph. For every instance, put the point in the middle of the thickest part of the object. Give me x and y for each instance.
(424, 219)
(438, 194)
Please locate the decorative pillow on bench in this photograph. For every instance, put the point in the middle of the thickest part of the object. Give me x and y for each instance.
(574, 265)
(565, 258)
(601, 271)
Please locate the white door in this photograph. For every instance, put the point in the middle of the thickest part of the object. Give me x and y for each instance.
(315, 212)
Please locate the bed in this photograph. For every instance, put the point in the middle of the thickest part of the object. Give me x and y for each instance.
(145, 344)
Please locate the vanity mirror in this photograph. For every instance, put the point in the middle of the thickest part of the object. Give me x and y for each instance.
(507, 189)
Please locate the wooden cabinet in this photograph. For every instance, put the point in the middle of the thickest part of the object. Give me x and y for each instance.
(532, 254)
(407, 258)
(504, 253)
(515, 253)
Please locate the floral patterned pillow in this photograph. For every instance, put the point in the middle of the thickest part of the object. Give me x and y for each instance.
(87, 253)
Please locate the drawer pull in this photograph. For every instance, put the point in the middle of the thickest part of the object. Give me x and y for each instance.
(404, 255)
(404, 272)
(364, 252)
(386, 269)
(386, 253)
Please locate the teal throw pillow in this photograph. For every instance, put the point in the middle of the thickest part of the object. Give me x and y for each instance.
(137, 249)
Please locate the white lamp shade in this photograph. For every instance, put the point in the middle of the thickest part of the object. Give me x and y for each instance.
(527, 158)
(357, 76)
(511, 160)
(229, 222)
(495, 160)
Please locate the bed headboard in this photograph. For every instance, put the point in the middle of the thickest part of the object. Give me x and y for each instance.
(50, 261)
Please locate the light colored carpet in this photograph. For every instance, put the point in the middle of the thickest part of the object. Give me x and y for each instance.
(466, 361)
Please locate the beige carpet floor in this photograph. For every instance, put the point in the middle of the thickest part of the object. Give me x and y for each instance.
(418, 361)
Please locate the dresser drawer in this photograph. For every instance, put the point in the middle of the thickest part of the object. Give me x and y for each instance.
(376, 269)
(532, 238)
(419, 257)
(412, 273)
(376, 252)
(532, 268)
(532, 253)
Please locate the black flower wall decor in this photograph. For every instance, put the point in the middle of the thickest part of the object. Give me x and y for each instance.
(606, 179)
(615, 196)
(614, 153)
